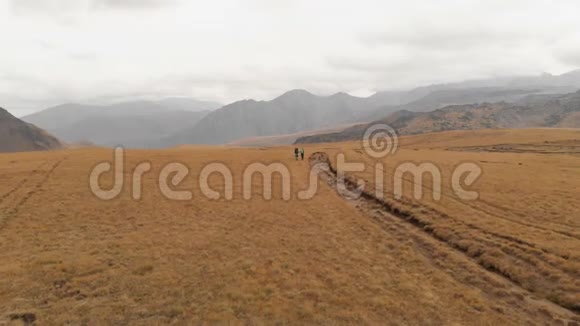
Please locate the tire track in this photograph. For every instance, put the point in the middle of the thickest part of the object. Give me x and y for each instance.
(22, 182)
(448, 231)
(484, 210)
(12, 211)
(507, 294)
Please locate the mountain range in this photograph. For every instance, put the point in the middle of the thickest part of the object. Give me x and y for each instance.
(294, 111)
(299, 111)
(137, 124)
(171, 122)
(546, 110)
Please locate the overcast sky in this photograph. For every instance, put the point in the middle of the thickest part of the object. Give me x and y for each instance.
(56, 51)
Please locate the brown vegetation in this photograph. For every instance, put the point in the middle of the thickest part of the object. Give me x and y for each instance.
(525, 223)
(509, 258)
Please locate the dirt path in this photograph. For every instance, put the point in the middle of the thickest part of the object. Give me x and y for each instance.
(447, 253)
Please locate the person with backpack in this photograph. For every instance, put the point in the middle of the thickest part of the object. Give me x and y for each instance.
(296, 153)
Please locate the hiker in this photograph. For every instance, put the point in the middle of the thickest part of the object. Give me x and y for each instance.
(302, 153)
(296, 153)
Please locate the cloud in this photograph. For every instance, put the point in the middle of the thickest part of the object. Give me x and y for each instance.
(83, 56)
(567, 51)
(441, 37)
(132, 4)
(225, 50)
(571, 57)
(23, 7)
(52, 7)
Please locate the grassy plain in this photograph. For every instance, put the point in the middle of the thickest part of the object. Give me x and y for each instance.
(510, 257)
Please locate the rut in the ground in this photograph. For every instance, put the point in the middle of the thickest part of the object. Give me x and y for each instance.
(491, 251)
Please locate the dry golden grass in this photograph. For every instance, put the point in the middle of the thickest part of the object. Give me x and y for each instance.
(525, 224)
(68, 257)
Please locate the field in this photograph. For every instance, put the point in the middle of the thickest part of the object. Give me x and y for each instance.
(510, 257)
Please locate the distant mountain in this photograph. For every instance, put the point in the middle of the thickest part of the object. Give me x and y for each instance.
(439, 98)
(292, 112)
(547, 110)
(132, 131)
(298, 111)
(509, 89)
(175, 121)
(19, 136)
(138, 124)
(547, 83)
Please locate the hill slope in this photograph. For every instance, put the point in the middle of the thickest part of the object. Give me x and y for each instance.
(533, 111)
(19, 136)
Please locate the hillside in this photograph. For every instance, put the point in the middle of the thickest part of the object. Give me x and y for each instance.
(19, 136)
(138, 124)
(560, 111)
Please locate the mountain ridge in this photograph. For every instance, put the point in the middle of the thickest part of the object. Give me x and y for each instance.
(147, 124)
(250, 118)
(293, 111)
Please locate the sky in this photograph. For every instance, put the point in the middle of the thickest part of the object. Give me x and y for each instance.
(97, 51)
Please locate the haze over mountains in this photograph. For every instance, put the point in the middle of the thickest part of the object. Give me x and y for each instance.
(298, 110)
(17, 135)
(172, 122)
(294, 111)
(130, 124)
